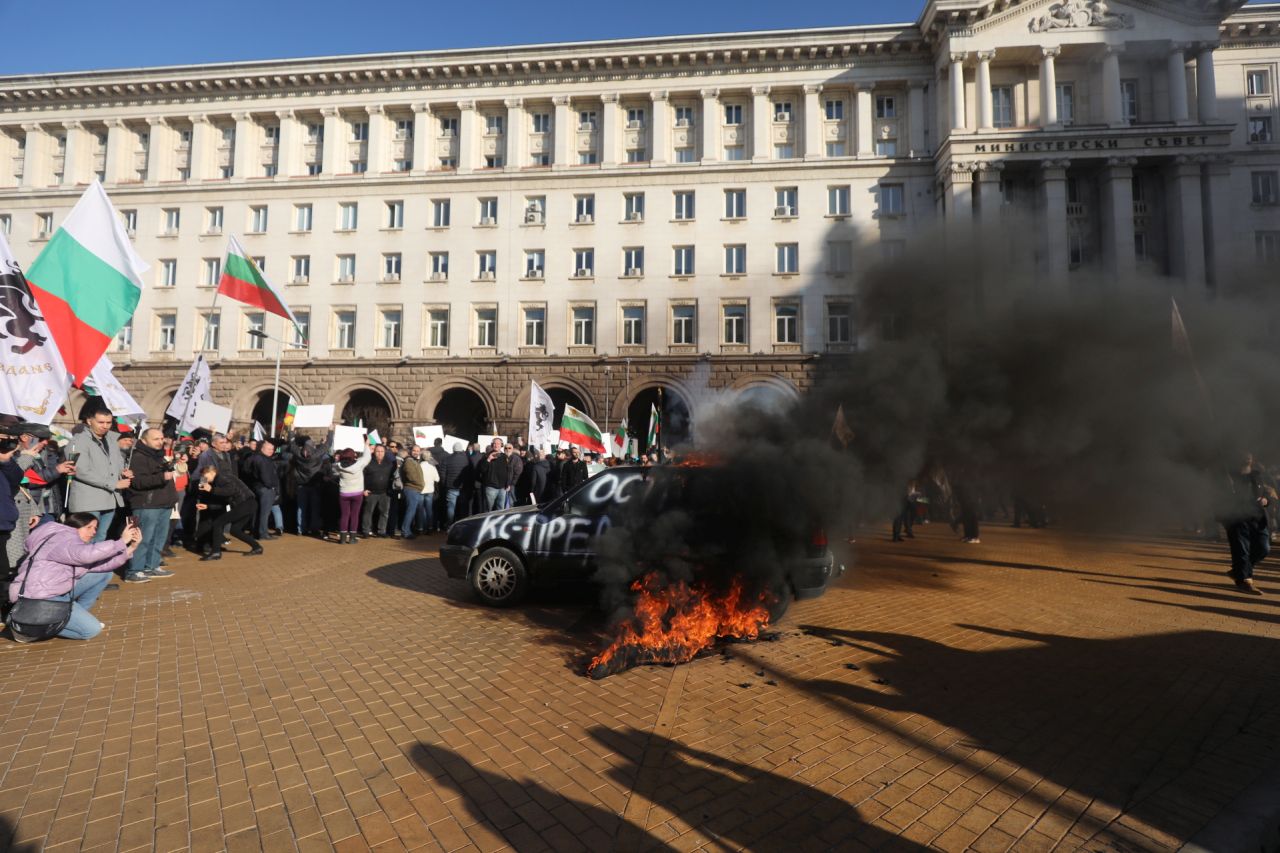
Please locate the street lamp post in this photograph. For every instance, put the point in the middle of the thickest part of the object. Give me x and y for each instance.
(275, 394)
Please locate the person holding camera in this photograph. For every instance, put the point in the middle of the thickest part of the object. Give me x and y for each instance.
(216, 488)
(152, 495)
(100, 474)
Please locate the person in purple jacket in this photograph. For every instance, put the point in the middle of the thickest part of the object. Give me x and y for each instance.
(66, 564)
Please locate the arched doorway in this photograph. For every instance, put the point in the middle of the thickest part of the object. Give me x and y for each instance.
(368, 408)
(561, 396)
(766, 397)
(262, 409)
(676, 421)
(462, 413)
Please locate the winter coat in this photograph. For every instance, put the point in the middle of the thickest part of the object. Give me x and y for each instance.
(259, 472)
(572, 474)
(430, 476)
(8, 490)
(310, 464)
(63, 560)
(378, 475)
(411, 474)
(149, 489)
(98, 469)
(454, 468)
(495, 473)
(536, 478)
(351, 477)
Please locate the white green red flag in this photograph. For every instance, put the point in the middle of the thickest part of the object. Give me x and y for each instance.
(620, 439)
(577, 428)
(33, 380)
(87, 282)
(289, 413)
(655, 425)
(244, 282)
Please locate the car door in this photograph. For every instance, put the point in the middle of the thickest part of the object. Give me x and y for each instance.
(567, 540)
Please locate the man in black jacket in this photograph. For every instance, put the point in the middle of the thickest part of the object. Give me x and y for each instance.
(259, 473)
(377, 491)
(242, 509)
(494, 474)
(309, 465)
(152, 496)
(453, 471)
(574, 472)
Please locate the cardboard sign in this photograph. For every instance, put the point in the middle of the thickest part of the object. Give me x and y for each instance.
(486, 440)
(209, 415)
(425, 436)
(313, 416)
(453, 444)
(349, 437)
(553, 441)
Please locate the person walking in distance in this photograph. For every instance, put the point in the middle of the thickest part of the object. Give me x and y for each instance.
(906, 516)
(152, 495)
(349, 469)
(1246, 524)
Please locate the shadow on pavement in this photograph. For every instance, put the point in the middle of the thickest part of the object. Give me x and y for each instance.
(7, 831)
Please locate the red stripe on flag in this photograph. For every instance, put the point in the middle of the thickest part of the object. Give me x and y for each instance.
(250, 293)
(81, 345)
(587, 442)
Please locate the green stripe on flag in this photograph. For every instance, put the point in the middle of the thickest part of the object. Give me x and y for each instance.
(98, 294)
(244, 269)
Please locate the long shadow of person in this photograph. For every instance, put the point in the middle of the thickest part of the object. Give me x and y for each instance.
(7, 831)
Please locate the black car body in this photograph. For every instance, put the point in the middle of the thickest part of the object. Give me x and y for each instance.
(502, 553)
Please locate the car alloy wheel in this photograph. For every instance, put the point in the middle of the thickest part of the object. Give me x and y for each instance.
(496, 577)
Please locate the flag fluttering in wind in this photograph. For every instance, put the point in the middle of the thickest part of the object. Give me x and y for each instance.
(840, 428)
(102, 380)
(619, 447)
(577, 428)
(194, 388)
(289, 413)
(33, 380)
(655, 425)
(87, 282)
(258, 432)
(541, 416)
(244, 282)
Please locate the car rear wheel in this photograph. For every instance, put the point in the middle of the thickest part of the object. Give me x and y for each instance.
(782, 597)
(499, 578)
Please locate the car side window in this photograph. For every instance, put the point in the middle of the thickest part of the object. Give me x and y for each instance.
(603, 492)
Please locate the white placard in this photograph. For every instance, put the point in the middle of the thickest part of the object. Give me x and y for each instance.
(553, 440)
(486, 440)
(209, 415)
(345, 437)
(313, 416)
(425, 436)
(453, 444)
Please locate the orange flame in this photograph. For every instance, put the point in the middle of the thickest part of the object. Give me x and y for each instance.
(675, 621)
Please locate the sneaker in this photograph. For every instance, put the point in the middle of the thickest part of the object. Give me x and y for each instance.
(159, 573)
(137, 577)
(972, 541)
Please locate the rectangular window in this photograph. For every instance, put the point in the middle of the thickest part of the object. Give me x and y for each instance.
(733, 114)
(1265, 187)
(1066, 95)
(684, 116)
(486, 327)
(784, 152)
(6, 224)
(587, 120)
(839, 323)
(439, 266)
(682, 325)
(344, 330)
(785, 201)
(270, 170)
(404, 128)
(886, 106)
(535, 209)
(359, 167)
(683, 260)
(541, 122)
(254, 321)
(635, 117)
(838, 201)
(735, 204)
(315, 133)
(584, 209)
(584, 326)
(636, 155)
(258, 219)
(172, 219)
(168, 272)
(539, 159)
(1002, 106)
(633, 207)
(302, 217)
(438, 328)
(1129, 101)
(1267, 246)
(535, 263)
(734, 152)
(1260, 129)
(447, 163)
(166, 331)
(886, 148)
(440, 213)
(891, 202)
(489, 211)
(787, 258)
(359, 131)
(301, 269)
(684, 208)
(782, 111)
(633, 325)
(735, 259)
(348, 216)
(212, 272)
(786, 323)
(449, 126)
(124, 337)
(735, 324)
(391, 329)
(346, 268)
(633, 261)
(391, 266)
(487, 265)
(302, 328)
(44, 224)
(835, 149)
(840, 254)
(535, 327)
(686, 155)
(835, 109)
(130, 220)
(493, 161)
(211, 330)
(1258, 82)
(395, 214)
(584, 263)
(260, 262)
(587, 158)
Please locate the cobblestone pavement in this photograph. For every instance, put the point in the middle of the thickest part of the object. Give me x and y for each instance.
(1027, 693)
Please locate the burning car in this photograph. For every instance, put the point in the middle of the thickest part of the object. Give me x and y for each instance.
(626, 523)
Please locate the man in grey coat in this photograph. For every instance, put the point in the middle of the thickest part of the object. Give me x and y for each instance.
(100, 474)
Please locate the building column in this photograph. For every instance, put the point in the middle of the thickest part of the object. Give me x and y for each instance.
(35, 156)
(159, 151)
(423, 133)
(959, 200)
(959, 121)
(1053, 221)
(990, 195)
(202, 147)
(564, 129)
(76, 156)
(986, 119)
(710, 125)
(1117, 218)
(1186, 231)
(1219, 201)
(813, 142)
(1112, 112)
(289, 151)
(468, 138)
(660, 133)
(516, 134)
(865, 146)
(1049, 87)
(246, 151)
(117, 140)
(333, 141)
(761, 122)
(1178, 112)
(916, 118)
(610, 130)
(1206, 85)
(377, 148)
(8, 150)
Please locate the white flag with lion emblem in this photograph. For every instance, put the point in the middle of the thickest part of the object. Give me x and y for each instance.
(34, 383)
(541, 414)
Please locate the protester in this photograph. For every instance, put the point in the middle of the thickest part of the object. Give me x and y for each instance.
(259, 473)
(534, 478)
(515, 462)
(455, 468)
(12, 479)
(309, 465)
(494, 473)
(1246, 525)
(66, 562)
(378, 476)
(573, 472)
(554, 469)
(905, 519)
(152, 497)
(43, 470)
(349, 471)
(100, 474)
(216, 487)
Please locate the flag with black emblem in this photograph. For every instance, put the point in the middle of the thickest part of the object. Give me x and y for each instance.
(33, 381)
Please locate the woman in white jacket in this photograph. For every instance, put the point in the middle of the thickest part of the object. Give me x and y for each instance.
(350, 472)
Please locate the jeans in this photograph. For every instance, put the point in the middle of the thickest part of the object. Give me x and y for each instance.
(412, 512)
(451, 504)
(379, 504)
(426, 512)
(309, 511)
(154, 524)
(349, 516)
(104, 524)
(1250, 544)
(493, 498)
(266, 503)
(84, 625)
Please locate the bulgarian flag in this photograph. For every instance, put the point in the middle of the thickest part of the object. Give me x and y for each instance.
(620, 439)
(655, 425)
(577, 428)
(289, 412)
(87, 282)
(244, 282)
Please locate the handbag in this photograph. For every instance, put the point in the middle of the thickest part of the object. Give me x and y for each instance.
(38, 619)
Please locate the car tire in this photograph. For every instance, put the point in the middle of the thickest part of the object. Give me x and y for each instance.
(783, 597)
(498, 577)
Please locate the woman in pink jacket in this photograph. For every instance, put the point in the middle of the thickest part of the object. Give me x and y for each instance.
(64, 563)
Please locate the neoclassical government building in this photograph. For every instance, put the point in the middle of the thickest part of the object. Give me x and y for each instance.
(608, 218)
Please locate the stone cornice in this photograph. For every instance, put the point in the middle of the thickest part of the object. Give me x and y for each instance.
(954, 17)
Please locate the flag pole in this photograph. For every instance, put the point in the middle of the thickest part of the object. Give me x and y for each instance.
(186, 409)
(661, 407)
(275, 394)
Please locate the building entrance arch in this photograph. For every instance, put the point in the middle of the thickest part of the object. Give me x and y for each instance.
(462, 413)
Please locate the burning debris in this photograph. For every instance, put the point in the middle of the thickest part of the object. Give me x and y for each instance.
(675, 620)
